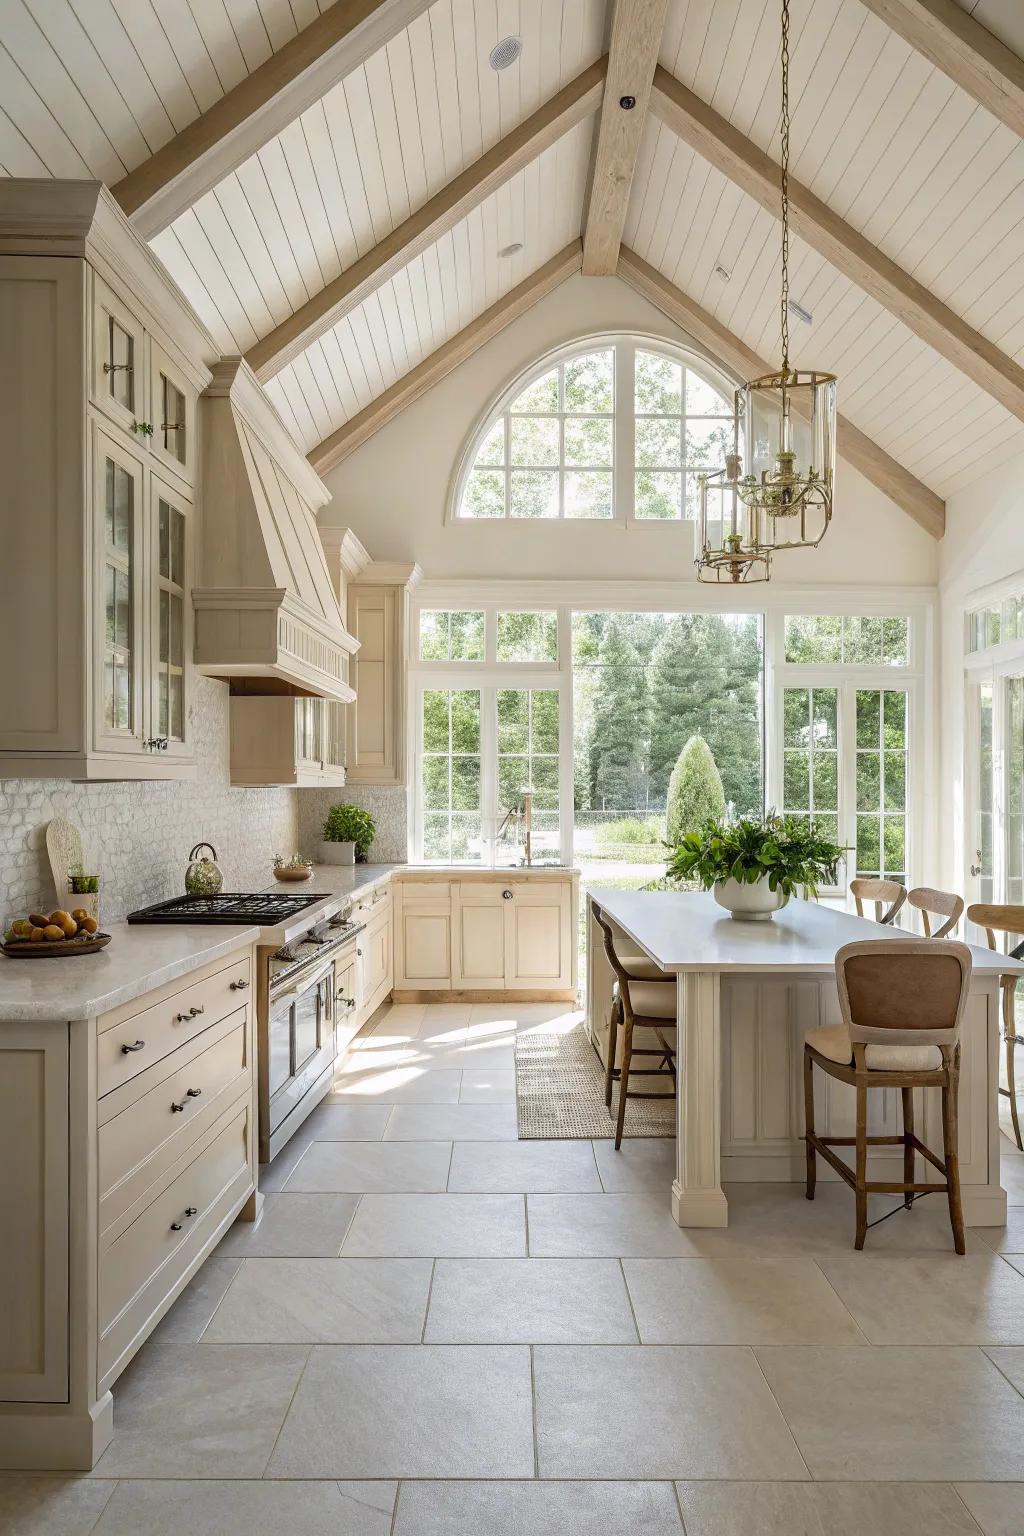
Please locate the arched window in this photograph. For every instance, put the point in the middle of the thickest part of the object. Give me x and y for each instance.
(608, 428)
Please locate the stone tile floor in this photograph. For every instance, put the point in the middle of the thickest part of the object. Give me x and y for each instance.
(438, 1329)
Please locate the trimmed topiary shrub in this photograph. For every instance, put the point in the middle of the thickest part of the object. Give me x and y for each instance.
(695, 793)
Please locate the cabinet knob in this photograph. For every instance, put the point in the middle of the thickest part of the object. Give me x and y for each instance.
(359, 952)
(126, 1050)
(239, 986)
(506, 895)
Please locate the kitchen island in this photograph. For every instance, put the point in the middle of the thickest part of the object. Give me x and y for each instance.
(747, 994)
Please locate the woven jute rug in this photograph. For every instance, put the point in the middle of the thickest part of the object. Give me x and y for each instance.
(560, 1093)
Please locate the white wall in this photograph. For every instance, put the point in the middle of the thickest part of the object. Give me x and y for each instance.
(394, 490)
(981, 554)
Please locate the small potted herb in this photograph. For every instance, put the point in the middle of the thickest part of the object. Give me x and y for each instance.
(347, 835)
(754, 867)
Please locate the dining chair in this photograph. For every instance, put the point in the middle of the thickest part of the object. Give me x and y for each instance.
(1009, 920)
(931, 903)
(643, 997)
(902, 1004)
(886, 895)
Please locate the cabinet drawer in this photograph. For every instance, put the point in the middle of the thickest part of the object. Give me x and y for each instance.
(142, 1266)
(135, 1043)
(373, 905)
(190, 1089)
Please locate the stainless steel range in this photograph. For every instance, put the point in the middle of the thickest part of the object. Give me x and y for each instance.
(309, 992)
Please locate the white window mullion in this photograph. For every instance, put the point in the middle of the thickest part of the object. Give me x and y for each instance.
(846, 726)
(623, 434)
(489, 768)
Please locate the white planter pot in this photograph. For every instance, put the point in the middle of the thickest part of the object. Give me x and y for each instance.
(755, 903)
(337, 853)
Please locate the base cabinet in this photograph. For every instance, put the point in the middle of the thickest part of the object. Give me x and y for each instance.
(116, 1187)
(493, 932)
(374, 952)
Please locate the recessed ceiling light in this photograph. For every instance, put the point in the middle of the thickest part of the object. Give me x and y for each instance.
(722, 272)
(505, 53)
(800, 313)
(511, 250)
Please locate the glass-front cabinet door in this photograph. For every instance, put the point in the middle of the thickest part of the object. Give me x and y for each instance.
(170, 563)
(118, 371)
(174, 415)
(119, 649)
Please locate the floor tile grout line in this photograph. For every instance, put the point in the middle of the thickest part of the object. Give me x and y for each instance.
(629, 1298)
(115, 1483)
(448, 1176)
(782, 1416)
(818, 1266)
(984, 1348)
(430, 1293)
(348, 1226)
(526, 1220)
(284, 1416)
(533, 1415)
(393, 1526)
(679, 1505)
(958, 1495)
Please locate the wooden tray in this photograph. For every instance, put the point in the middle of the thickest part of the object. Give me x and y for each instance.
(293, 872)
(42, 949)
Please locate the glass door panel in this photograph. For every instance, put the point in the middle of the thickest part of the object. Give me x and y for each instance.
(307, 1026)
(1013, 756)
(119, 641)
(280, 1033)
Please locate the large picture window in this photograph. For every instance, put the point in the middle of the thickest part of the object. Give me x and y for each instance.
(610, 428)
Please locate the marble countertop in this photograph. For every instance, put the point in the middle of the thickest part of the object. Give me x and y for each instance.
(689, 931)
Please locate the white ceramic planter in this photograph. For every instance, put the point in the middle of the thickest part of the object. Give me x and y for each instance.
(337, 853)
(755, 903)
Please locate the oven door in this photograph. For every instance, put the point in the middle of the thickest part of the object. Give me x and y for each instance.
(301, 1039)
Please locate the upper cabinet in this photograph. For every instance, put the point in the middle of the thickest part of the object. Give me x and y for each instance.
(100, 453)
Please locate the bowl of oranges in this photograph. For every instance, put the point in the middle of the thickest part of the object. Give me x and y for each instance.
(40, 936)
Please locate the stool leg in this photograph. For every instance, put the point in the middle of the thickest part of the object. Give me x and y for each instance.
(809, 1122)
(952, 1160)
(1012, 1086)
(627, 1051)
(908, 1148)
(613, 1038)
(862, 1165)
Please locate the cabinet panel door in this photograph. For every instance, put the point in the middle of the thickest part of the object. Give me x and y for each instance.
(118, 373)
(479, 957)
(34, 1065)
(169, 564)
(119, 639)
(375, 747)
(174, 415)
(424, 947)
(374, 953)
(539, 936)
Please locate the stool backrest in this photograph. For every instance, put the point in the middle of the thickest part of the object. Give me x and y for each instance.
(886, 895)
(996, 919)
(930, 902)
(609, 933)
(903, 991)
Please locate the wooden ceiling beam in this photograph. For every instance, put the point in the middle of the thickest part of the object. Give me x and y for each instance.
(259, 107)
(718, 142)
(545, 127)
(446, 358)
(964, 50)
(901, 487)
(636, 31)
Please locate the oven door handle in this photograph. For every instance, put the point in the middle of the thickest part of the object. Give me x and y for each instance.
(300, 984)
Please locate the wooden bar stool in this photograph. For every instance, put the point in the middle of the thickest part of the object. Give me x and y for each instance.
(1008, 920)
(643, 996)
(886, 895)
(931, 903)
(902, 1002)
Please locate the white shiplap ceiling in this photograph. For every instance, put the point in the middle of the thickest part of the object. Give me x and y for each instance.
(93, 87)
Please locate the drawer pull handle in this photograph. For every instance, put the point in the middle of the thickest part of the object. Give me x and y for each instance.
(190, 1210)
(126, 1050)
(194, 1013)
(182, 1018)
(349, 1002)
(239, 986)
(194, 1093)
(175, 1226)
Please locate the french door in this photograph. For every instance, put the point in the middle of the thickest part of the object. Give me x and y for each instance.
(995, 871)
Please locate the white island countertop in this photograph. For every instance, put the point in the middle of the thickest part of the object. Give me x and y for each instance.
(688, 931)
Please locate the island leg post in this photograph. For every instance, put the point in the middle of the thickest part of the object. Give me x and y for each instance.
(697, 1196)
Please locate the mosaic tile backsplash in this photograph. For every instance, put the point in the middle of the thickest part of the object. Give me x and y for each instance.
(387, 804)
(137, 836)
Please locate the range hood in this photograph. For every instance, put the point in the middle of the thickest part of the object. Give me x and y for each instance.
(266, 613)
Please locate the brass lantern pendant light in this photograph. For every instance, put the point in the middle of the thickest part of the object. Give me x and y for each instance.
(785, 436)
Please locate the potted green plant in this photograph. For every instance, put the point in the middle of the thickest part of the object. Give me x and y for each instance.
(347, 835)
(754, 867)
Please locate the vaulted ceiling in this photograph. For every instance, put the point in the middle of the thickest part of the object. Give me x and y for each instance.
(332, 187)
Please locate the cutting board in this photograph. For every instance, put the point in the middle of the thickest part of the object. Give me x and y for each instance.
(64, 847)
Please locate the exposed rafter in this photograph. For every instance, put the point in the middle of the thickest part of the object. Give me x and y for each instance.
(718, 142)
(964, 50)
(258, 108)
(636, 31)
(543, 128)
(903, 488)
(447, 357)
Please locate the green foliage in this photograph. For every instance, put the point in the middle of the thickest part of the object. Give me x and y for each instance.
(786, 851)
(350, 824)
(619, 732)
(630, 830)
(695, 793)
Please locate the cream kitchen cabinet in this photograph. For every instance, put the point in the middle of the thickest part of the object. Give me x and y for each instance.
(276, 739)
(96, 584)
(488, 932)
(128, 1140)
(374, 951)
(378, 617)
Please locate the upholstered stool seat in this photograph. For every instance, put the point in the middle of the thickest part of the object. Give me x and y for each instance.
(653, 999)
(833, 1041)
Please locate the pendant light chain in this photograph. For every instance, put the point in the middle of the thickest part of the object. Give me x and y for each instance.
(785, 186)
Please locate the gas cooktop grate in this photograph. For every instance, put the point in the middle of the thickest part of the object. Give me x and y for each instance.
(227, 907)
